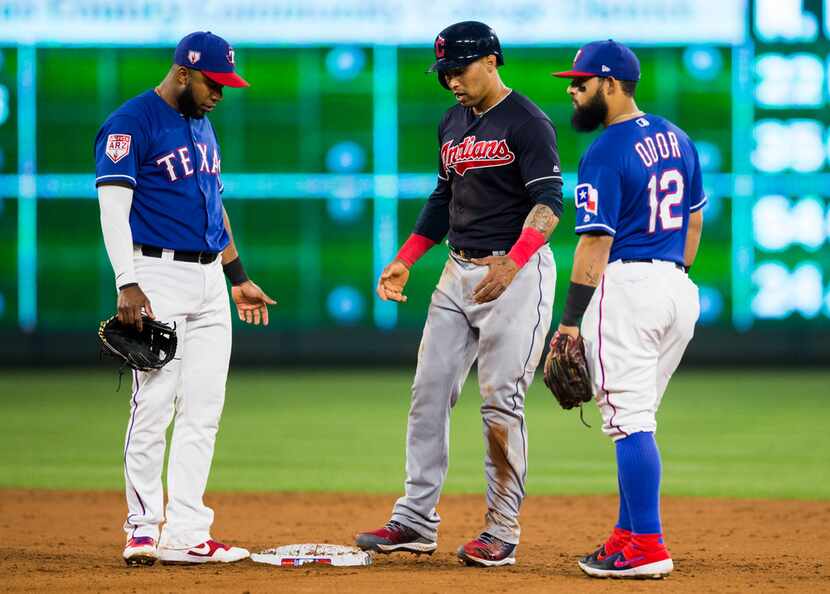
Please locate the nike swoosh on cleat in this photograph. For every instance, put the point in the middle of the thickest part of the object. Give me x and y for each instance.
(626, 562)
(202, 547)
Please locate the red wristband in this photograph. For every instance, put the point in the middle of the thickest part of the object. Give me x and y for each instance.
(529, 241)
(414, 247)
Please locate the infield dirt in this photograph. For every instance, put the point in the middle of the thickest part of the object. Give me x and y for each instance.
(71, 542)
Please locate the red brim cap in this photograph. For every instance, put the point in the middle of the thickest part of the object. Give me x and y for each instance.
(229, 79)
(572, 74)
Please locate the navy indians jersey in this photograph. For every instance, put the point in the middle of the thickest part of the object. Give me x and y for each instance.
(173, 165)
(493, 169)
(639, 181)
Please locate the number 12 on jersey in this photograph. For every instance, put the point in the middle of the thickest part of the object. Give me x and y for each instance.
(670, 189)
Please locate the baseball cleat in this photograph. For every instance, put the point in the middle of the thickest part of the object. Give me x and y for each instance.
(487, 551)
(395, 537)
(140, 550)
(631, 563)
(209, 551)
(615, 543)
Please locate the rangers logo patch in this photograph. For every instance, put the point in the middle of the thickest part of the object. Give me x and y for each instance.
(118, 146)
(469, 154)
(586, 197)
(194, 56)
(231, 57)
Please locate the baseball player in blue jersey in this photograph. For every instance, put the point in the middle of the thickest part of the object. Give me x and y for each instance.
(168, 237)
(497, 199)
(639, 221)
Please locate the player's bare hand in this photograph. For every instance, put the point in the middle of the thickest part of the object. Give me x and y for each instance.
(131, 301)
(501, 273)
(569, 330)
(392, 281)
(251, 303)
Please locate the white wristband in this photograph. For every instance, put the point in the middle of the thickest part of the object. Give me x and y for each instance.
(115, 203)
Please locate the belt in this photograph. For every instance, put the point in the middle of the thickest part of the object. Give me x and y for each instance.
(466, 254)
(655, 261)
(180, 255)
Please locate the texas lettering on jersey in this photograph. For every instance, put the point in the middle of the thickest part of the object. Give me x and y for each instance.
(472, 154)
(185, 165)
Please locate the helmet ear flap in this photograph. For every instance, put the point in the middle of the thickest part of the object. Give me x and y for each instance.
(442, 79)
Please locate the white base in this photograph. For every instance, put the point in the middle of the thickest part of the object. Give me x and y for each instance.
(324, 554)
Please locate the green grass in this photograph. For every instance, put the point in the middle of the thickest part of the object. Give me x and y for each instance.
(726, 433)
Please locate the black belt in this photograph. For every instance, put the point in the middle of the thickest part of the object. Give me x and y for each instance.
(180, 255)
(652, 260)
(466, 254)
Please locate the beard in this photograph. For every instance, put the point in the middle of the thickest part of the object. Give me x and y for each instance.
(589, 117)
(187, 104)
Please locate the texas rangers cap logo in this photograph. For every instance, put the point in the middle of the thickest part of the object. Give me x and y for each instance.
(576, 57)
(118, 146)
(440, 42)
(231, 57)
(194, 56)
(586, 197)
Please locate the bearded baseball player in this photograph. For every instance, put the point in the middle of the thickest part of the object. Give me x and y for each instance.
(168, 238)
(498, 198)
(639, 221)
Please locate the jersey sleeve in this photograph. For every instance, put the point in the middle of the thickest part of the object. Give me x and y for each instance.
(117, 151)
(538, 159)
(697, 196)
(597, 197)
(434, 219)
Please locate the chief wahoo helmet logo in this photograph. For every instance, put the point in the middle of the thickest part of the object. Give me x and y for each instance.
(439, 46)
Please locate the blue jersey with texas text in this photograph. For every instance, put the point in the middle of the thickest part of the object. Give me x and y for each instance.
(638, 182)
(173, 165)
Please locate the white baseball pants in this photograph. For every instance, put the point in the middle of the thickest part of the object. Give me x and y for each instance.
(191, 389)
(636, 329)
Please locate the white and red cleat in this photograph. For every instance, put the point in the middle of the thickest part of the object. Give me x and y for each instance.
(140, 550)
(209, 551)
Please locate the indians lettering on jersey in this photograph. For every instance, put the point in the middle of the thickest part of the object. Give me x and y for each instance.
(178, 163)
(472, 154)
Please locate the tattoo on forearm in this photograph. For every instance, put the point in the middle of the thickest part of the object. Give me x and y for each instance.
(593, 277)
(542, 219)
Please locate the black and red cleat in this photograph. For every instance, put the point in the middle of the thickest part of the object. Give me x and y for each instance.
(634, 561)
(615, 543)
(487, 551)
(394, 537)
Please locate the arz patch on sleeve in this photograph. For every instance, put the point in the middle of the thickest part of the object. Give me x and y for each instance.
(118, 146)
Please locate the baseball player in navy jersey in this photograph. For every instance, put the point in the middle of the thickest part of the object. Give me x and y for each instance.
(168, 238)
(497, 199)
(639, 221)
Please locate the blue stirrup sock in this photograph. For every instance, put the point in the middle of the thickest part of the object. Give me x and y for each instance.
(639, 470)
(623, 519)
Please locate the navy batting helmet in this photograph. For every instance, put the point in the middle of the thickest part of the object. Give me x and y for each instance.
(463, 43)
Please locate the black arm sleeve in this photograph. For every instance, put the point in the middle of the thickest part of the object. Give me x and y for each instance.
(538, 157)
(434, 220)
(549, 193)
